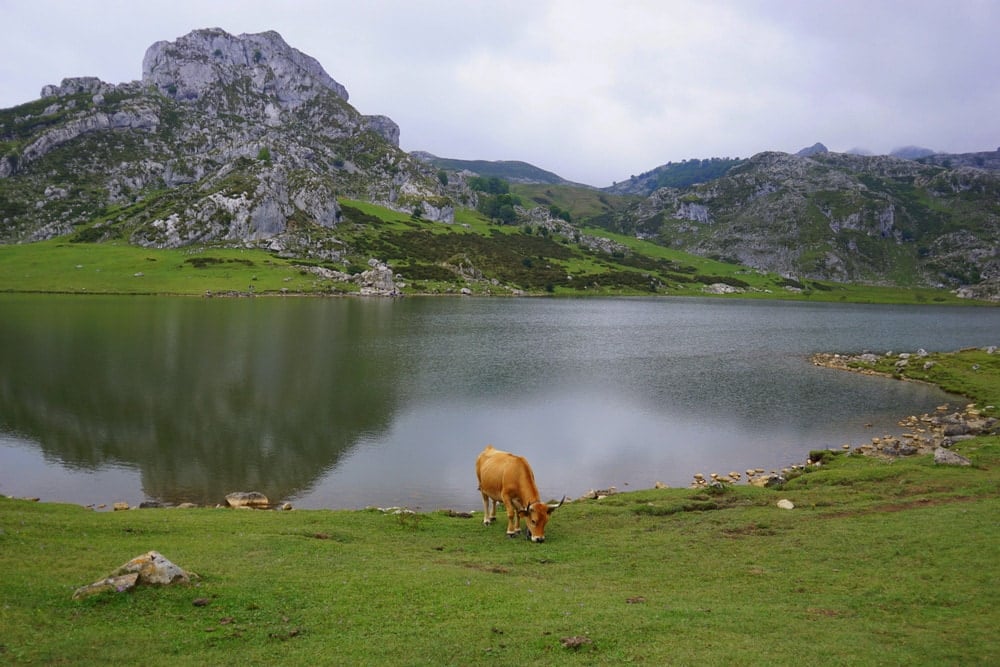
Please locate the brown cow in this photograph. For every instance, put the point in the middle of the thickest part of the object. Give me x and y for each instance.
(504, 477)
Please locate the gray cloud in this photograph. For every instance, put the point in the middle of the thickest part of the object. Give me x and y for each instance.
(594, 91)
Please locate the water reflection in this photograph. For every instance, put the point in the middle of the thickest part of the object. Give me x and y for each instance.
(202, 397)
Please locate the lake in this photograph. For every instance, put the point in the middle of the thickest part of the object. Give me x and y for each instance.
(352, 402)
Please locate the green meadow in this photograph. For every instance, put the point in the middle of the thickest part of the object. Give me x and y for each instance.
(472, 254)
(58, 266)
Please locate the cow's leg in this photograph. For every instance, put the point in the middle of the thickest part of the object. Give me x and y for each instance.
(489, 510)
(513, 518)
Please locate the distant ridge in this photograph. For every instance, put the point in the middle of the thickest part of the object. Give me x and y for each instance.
(513, 171)
(912, 152)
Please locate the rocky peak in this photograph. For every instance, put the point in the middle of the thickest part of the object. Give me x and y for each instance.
(190, 67)
(236, 139)
(813, 150)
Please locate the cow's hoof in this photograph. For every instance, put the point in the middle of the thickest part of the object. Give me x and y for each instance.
(514, 534)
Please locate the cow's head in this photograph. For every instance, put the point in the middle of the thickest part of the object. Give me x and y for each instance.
(535, 516)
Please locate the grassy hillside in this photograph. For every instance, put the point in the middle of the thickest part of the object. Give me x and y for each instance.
(509, 170)
(878, 563)
(427, 257)
(581, 203)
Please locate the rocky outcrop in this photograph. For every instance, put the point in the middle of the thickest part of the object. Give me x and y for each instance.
(378, 280)
(194, 65)
(234, 138)
(133, 119)
(831, 216)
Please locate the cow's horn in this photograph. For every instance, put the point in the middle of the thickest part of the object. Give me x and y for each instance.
(553, 508)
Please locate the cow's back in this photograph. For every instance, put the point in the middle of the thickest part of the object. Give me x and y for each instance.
(489, 470)
(498, 471)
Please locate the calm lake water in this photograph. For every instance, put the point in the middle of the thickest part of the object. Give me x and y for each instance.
(344, 403)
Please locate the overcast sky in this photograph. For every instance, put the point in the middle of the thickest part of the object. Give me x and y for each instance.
(593, 90)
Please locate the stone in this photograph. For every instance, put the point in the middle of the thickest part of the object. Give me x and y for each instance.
(575, 642)
(722, 288)
(253, 499)
(786, 504)
(153, 569)
(121, 506)
(961, 428)
(768, 481)
(149, 569)
(119, 584)
(947, 457)
(378, 280)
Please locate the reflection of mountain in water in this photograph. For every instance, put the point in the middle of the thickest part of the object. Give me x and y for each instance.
(204, 397)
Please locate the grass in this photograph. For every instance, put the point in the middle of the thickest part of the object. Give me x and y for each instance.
(879, 563)
(117, 268)
(431, 257)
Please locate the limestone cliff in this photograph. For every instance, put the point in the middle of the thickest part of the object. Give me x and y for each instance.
(833, 216)
(226, 137)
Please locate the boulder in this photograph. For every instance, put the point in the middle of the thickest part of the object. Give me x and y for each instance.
(154, 569)
(947, 457)
(768, 481)
(253, 499)
(378, 280)
(149, 569)
(786, 504)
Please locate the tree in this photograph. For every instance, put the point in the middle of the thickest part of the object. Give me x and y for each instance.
(489, 184)
(507, 214)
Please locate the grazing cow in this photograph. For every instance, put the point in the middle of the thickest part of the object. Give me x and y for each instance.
(504, 477)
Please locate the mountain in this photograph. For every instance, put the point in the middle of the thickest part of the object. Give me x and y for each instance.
(245, 141)
(512, 171)
(833, 216)
(239, 138)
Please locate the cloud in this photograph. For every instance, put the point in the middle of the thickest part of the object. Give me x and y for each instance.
(594, 91)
